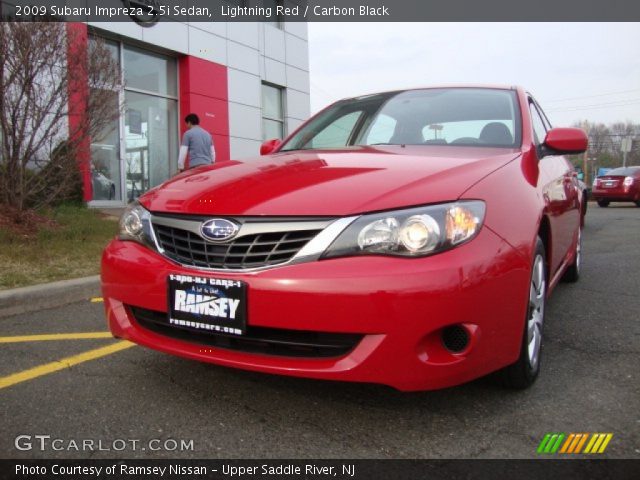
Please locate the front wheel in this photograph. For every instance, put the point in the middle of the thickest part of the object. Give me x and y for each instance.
(603, 203)
(525, 370)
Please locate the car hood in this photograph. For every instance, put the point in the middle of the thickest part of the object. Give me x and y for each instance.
(328, 182)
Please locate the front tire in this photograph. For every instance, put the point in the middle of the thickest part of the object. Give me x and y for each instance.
(603, 203)
(523, 373)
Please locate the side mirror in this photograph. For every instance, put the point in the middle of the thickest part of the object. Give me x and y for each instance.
(269, 146)
(566, 141)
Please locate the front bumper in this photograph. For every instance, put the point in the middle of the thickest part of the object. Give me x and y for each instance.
(399, 305)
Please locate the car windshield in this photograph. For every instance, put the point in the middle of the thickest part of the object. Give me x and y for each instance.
(622, 171)
(441, 116)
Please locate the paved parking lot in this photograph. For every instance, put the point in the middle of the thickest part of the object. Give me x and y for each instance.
(116, 396)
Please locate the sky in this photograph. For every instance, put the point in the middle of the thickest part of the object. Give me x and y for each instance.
(575, 70)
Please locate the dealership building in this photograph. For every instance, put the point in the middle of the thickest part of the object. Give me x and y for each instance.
(246, 81)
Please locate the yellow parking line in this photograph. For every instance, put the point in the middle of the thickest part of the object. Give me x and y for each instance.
(62, 364)
(97, 300)
(55, 336)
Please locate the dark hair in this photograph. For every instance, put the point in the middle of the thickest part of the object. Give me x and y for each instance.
(192, 118)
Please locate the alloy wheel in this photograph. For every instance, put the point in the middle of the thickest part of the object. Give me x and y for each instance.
(535, 319)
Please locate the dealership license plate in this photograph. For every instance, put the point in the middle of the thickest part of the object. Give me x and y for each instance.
(609, 184)
(207, 304)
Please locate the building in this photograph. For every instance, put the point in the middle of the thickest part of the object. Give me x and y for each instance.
(246, 81)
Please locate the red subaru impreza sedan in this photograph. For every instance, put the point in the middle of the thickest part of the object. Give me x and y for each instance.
(408, 238)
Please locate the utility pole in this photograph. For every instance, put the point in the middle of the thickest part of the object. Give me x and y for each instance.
(625, 146)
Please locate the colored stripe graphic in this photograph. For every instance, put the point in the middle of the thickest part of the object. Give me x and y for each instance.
(566, 445)
(543, 443)
(550, 443)
(581, 443)
(606, 442)
(574, 443)
(556, 445)
(598, 443)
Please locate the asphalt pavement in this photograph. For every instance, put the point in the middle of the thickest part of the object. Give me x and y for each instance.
(128, 402)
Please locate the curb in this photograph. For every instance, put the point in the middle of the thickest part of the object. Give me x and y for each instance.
(48, 295)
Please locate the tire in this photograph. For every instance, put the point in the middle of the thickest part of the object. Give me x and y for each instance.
(523, 373)
(572, 274)
(637, 202)
(603, 203)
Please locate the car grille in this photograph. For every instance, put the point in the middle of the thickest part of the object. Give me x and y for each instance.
(262, 340)
(248, 251)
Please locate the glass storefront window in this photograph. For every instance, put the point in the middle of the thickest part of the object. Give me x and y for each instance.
(150, 141)
(105, 158)
(138, 151)
(150, 72)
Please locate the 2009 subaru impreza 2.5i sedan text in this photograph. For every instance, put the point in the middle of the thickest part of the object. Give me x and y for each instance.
(408, 238)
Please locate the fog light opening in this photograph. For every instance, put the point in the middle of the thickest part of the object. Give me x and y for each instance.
(455, 338)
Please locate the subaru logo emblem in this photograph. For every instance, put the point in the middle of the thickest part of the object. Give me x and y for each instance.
(218, 230)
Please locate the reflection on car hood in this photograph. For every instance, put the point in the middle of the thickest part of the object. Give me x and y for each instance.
(328, 183)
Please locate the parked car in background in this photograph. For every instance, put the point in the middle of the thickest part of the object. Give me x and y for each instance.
(103, 187)
(617, 185)
(409, 238)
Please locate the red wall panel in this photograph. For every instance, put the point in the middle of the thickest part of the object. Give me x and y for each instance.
(203, 77)
(203, 91)
(78, 85)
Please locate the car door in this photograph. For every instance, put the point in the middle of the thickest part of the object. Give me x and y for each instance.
(559, 190)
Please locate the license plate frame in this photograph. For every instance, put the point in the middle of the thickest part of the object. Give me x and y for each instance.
(207, 305)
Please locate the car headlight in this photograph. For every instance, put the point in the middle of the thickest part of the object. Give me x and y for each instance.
(412, 232)
(135, 225)
(627, 181)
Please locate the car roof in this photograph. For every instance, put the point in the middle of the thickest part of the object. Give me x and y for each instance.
(431, 87)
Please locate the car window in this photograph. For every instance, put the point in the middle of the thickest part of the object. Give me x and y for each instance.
(487, 117)
(469, 131)
(539, 130)
(626, 171)
(381, 130)
(337, 133)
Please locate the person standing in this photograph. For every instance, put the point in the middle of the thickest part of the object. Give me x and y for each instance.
(196, 142)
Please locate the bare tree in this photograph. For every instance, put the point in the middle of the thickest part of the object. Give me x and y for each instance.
(46, 72)
(605, 143)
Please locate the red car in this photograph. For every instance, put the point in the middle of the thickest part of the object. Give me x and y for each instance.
(408, 238)
(618, 185)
